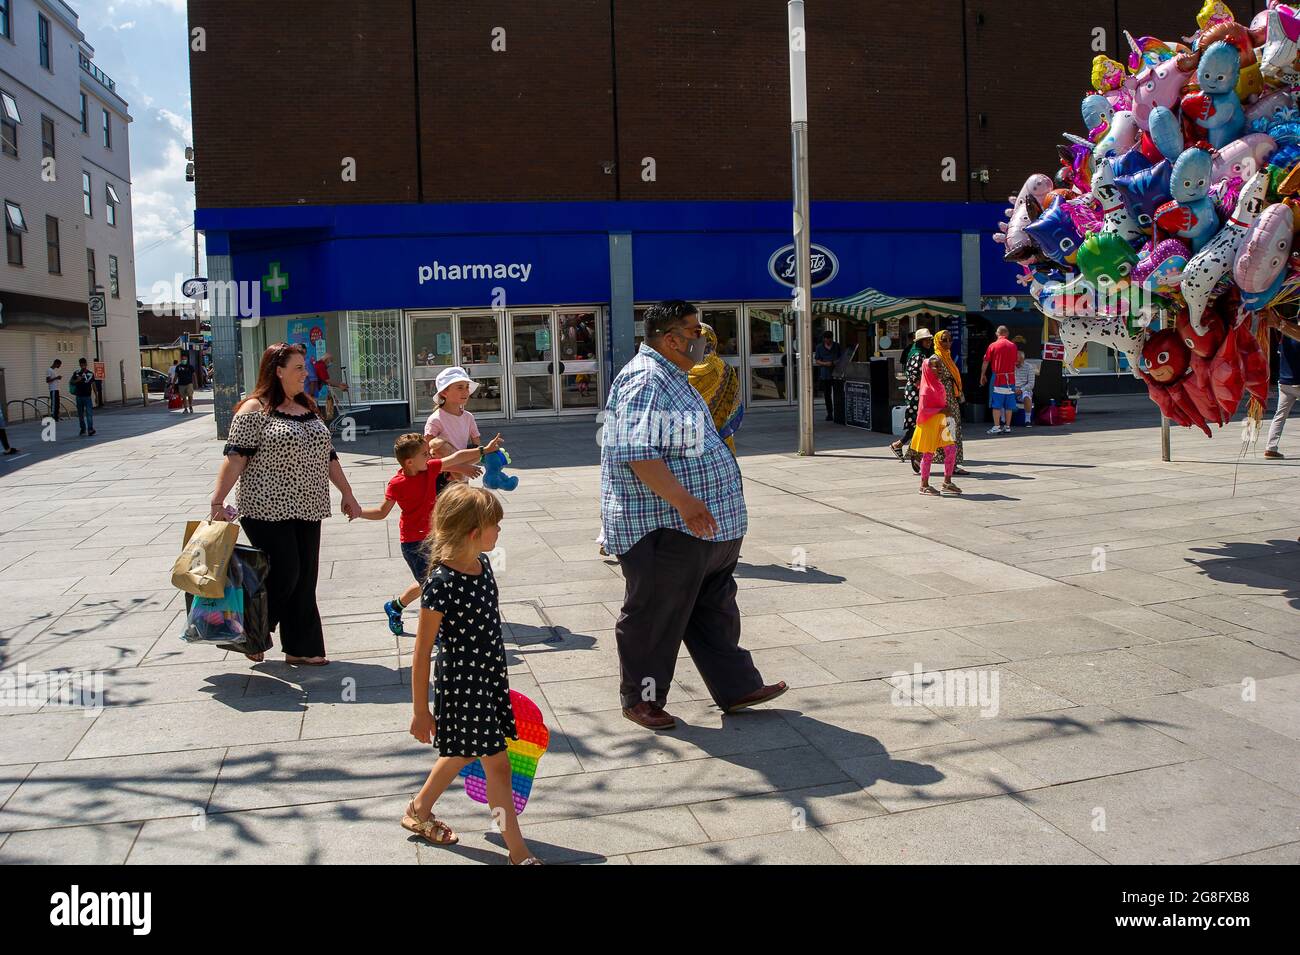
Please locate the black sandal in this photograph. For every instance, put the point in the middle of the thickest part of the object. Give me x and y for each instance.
(897, 449)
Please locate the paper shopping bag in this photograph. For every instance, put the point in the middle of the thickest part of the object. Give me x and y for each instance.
(201, 567)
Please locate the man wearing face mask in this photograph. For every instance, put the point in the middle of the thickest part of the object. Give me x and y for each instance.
(673, 512)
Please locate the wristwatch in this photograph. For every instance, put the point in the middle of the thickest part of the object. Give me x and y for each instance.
(481, 453)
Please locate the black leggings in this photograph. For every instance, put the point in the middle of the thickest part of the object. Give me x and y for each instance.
(293, 548)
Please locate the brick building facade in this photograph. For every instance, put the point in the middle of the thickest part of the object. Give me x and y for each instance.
(549, 125)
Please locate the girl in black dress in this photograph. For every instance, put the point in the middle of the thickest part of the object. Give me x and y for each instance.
(472, 717)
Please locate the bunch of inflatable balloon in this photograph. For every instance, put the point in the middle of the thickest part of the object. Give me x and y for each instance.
(1166, 232)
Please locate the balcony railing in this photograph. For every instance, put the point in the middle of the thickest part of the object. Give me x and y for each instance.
(96, 72)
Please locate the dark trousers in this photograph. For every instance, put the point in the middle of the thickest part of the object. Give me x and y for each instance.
(828, 393)
(86, 412)
(293, 548)
(680, 587)
(54, 405)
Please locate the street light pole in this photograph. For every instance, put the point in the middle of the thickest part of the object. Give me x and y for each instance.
(802, 226)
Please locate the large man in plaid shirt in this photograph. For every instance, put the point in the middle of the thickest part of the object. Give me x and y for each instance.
(673, 512)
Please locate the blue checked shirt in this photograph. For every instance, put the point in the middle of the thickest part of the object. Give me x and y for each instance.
(654, 412)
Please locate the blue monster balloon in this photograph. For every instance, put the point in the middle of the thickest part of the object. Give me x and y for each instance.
(1217, 76)
(1191, 215)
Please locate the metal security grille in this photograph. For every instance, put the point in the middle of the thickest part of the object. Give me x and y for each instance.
(374, 355)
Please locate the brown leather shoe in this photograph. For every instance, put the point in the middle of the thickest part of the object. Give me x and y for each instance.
(1275, 455)
(762, 695)
(650, 715)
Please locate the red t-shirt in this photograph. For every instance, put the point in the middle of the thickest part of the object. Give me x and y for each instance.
(1001, 356)
(416, 497)
(322, 371)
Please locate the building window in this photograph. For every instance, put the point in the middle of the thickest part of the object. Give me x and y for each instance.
(110, 203)
(15, 226)
(85, 195)
(47, 137)
(108, 131)
(52, 244)
(90, 268)
(84, 127)
(4, 20)
(43, 37)
(112, 276)
(9, 120)
(375, 361)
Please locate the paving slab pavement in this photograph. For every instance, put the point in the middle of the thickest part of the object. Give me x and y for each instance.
(1087, 634)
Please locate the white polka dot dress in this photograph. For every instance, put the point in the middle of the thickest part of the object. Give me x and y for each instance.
(471, 691)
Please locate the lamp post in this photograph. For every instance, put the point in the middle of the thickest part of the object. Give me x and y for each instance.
(802, 227)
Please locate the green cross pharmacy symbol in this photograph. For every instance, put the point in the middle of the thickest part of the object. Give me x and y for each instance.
(275, 282)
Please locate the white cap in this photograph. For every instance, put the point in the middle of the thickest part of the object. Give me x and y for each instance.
(449, 376)
(922, 333)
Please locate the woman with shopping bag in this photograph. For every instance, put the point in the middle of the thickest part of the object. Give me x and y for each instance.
(281, 453)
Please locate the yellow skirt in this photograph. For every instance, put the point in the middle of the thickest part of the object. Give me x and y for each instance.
(929, 435)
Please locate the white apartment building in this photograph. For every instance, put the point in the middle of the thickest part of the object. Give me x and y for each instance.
(65, 189)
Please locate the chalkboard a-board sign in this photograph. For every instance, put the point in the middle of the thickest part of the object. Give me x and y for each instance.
(857, 404)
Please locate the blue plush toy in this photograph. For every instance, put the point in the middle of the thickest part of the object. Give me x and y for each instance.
(493, 477)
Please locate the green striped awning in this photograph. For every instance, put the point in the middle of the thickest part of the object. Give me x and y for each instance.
(871, 305)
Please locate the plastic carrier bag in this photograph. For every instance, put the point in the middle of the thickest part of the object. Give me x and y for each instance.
(237, 620)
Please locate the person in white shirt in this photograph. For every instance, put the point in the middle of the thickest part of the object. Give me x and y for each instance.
(1025, 376)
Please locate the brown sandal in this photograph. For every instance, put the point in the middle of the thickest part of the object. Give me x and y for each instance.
(928, 491)
(433, 829)
(951, 488)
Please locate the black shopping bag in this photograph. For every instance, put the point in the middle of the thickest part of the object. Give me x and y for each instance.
(248, 569)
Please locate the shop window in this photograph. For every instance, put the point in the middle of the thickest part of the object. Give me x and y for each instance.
(374, 355)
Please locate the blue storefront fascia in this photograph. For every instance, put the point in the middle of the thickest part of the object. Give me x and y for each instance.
(352, 257)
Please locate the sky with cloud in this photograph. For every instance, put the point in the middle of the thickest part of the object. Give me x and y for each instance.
(143, 46)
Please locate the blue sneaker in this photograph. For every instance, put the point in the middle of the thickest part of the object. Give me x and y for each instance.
(394, 618)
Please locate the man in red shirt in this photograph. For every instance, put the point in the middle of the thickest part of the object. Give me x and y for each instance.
(414, 490)
(1000, 358)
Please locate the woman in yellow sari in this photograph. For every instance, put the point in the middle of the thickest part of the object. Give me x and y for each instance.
(719, 384)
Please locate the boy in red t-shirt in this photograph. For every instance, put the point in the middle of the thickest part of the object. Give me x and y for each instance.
(414, 490)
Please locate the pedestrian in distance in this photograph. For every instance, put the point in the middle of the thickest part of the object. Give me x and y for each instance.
(1000, 359)
(52, 378)
(934, 430)
(82, 384)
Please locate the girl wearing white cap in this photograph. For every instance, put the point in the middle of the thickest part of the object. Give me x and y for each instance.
(451, 427)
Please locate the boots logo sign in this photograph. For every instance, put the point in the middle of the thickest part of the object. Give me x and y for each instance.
(782, 266)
